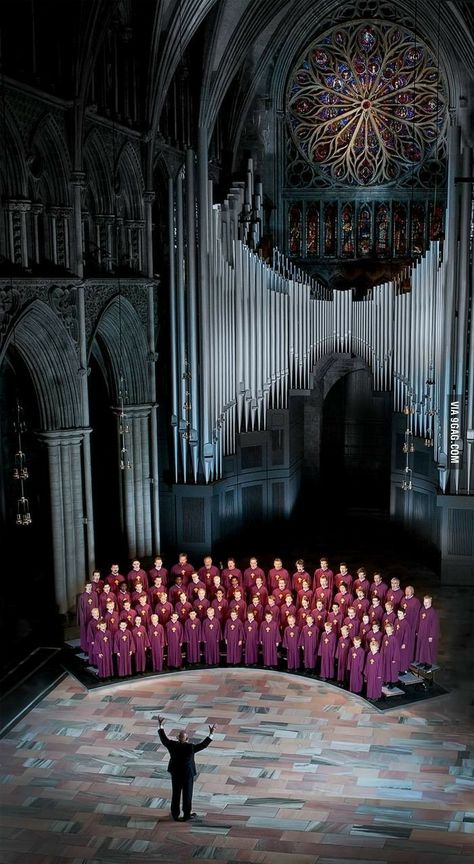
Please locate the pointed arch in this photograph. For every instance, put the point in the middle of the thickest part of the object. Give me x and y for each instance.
(49, 142)
(13, 174)
(119, 345)
(98, 170)
(131, 182)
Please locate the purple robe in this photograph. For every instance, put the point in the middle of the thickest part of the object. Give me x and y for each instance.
(270, 639)
(135, 576)
(325, 595)
(291, 643)
(154, 572)
(379, 591)
(275, 575)
(241, 608)
(85, 603)
(221, 608)
(192, 637)
(185, 570)
(211, 636)
(123, 645)
(427, 638)
(373, 674)
(274, 612)
(233, 634)
(129, 616)
(362, 583)
(395, 595)
(319, 618)
(193, 588)
(142, 642)
(103, 598)
(91, 634)
(251, 632)
(404, 638)
(251, 575)
(103, 654)
(308, 641)
(376, 613)
(156, 637)
(201, 607)
(163, 610)
(174, 638)
(353, 625)
(412, 607)
(361, 607)
(390, 652)
(327, 650)
(342, 652)
(355, 665)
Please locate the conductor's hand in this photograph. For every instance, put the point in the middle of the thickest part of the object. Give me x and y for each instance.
(161, 720)
(211, 728)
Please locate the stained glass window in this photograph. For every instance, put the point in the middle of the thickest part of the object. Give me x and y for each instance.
(436, 221)
(417, 229)
(312, 230)
(329, 229)
(382, 244)
(399, 230)
(294, 229)
(365, 103)
(347, 230)
(364, 231)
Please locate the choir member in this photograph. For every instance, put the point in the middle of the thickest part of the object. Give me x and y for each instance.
(183, 568)
(343, 577)
(378, 588)
(320, 615)
(211, 636)
(201, 604)
(194, 585)
(234, 585)
(127, 614)
(91, 632)
(251, 573)
(124, 647)
(208, 571)
(158, 570)
(259, 590)
(355, 665)
(156, 637)
(286, 609)
(373, 672)
(365, 629)
(218, 583)
(174, 640)
(395, 593)
(138, 592)
(325, 571)
(304, 591)
(107, 594)
(335, 616)
(269, 636)
(86, 601)
(390, 653)
(182, 607)
(308, 642)
(342, 653)
(137, 574)
(405, 641)
(115, 578)
(280, 592)
(176, 588)
(234, 637)
(343, 598)
(251, 635)
(299, 576)
(230, 571)
(361, 581)
(220, 604)
(376, 610)
(360, 603)
(327, 651)
(257, 608)
(290, 641)
(103, 651)
(192, 638)
(122, 594)
(273, 608)
(375, 634)
(412, 607)
(426, 651)
(323, 592)
(155, 592)
(164, 609)
(303, 612)
(143, 608)
(142, 644)
(239, 604)
(389, 616)
(97, 582)
(276, 573)
(352, 622)
(111, 618)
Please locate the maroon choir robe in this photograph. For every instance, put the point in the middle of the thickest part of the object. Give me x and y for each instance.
(183, 610)
(184, 570)
(336, 620)
(115, 581)
(298, 578)
(192, 637)
(144, 610)
(206, 574)
(344, 600)
(229, 572)
(174, 639)
(135, 576)
(103, 601)
(388, 618)
(390, 653)
(260, 592)
(427, 639)
(193, 588)
(361, 607)
(129, 616)
(251, 634)
(317, 578)
(142, 642)
(121, 597)
(325, 595)
(308, 641)
(233, 635)
(241, 608)
(376, 614)
(304, 592)
(162, 571)
(275, 575)
(342, 653)
(327, 650)
(201, 606)
(371, 635)
(291, 643)
(353, 625)
(112, 620)
(103, 654)
(355, 665)
(361, 583)
(85, 602)
(412, 607)
(154, 595)
(124, 647)
(343, 577)
(211, 636)
(164, 610)
(301, 615)
(286, 610)
(270, 639)
(373, 674)
(221, 608)
(258, 611)
(395, 595)
(274, 612)
(90, 638)
(174, 592)
(156, 637)
(379, 591)
(319, 618)
(250, 576)
(405, 640)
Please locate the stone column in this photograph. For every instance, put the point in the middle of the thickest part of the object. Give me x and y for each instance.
(17, 209)
(78, 179)
(137, 480)
(67, 512)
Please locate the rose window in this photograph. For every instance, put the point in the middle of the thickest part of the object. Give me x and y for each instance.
(366, 105)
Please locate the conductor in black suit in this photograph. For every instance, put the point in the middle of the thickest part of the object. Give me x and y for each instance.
(182, 769)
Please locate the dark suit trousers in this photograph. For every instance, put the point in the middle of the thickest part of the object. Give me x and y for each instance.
(181, 784)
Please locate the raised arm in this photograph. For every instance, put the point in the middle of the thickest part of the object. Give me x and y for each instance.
(161, 732)
(207, 740)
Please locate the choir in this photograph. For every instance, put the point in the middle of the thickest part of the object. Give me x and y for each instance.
(361, 634)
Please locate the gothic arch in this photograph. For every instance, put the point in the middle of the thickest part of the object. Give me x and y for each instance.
(13, 174)
(48, 353)
(48, 146)
(131, 183)
(119, 345)
(98, 174)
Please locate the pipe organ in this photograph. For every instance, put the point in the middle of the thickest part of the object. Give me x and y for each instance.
(246, 332)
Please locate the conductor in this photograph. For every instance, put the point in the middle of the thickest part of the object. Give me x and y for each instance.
(182, 769)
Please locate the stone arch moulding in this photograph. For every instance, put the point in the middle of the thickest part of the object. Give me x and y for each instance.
(48, 141)
(119, 344)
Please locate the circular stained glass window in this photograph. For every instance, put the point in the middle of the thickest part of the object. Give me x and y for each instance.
(365, 103)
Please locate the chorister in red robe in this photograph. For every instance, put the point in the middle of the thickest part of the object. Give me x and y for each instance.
(355, 666)
(103, 652)
(234, 637)
(327, 650)
(342, 652)
(309, 638)
(174, 640)
(157, 639)
(251, 634)
(390, 652)
(426, 650)
(269, 639)
(142, 643)
(192, 638)
(373, 672)
(124, 647)
(211, 637)
(290, 641)
(88, 600)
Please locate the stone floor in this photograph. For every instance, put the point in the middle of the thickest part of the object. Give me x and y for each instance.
(299, 772)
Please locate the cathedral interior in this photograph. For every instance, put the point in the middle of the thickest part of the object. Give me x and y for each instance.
(236, 317)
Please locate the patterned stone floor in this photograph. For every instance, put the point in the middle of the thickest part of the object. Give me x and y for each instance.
(299, 772)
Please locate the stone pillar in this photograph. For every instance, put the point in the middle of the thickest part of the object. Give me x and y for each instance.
(17, 210)
(67, 512)
(137, 480)
(78, 179)
(148, 199)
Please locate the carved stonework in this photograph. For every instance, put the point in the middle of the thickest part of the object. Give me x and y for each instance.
(10, 302)
(63, 302)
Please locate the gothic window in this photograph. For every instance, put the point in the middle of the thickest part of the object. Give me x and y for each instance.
(399, 230)
(365, 104)
(312, 230)
(417, 229)
(382, 246)
(294, 229)
(436, 221)
(347, 231)
(364, 231)
(330, 229)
